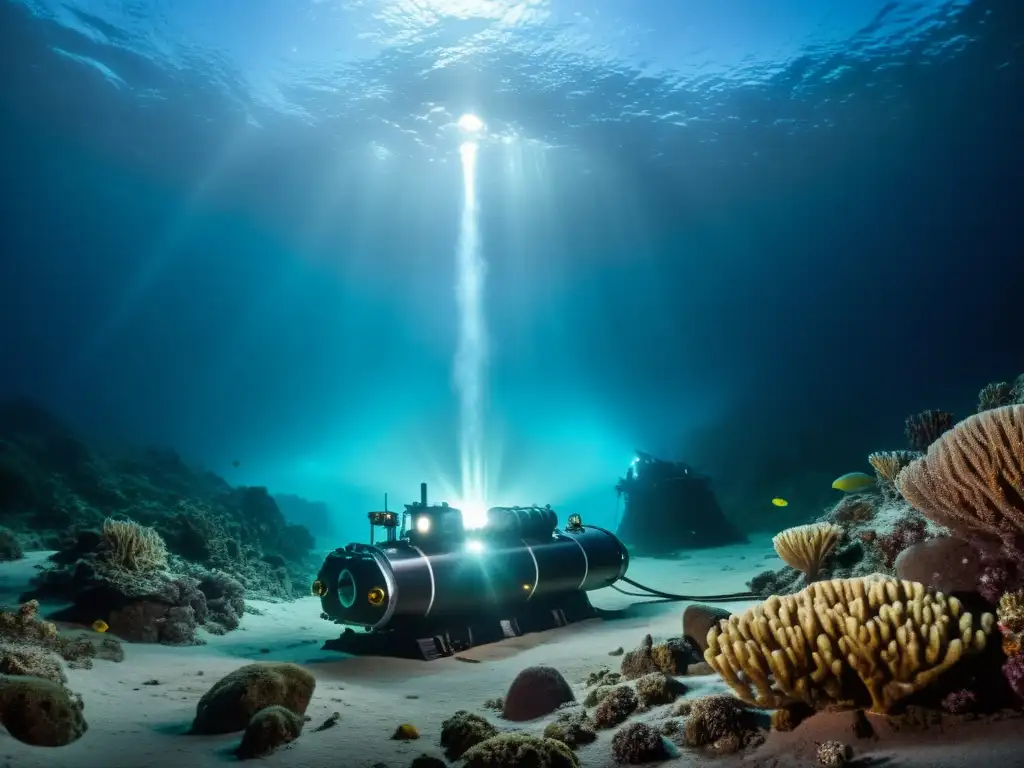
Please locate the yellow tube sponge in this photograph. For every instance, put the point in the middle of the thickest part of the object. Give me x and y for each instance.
(805, 547)
(895, 636)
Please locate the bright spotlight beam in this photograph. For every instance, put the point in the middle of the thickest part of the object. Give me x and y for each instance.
(470, 365)
(471, 123)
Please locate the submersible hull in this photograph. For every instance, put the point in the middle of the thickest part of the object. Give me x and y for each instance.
(479, 590)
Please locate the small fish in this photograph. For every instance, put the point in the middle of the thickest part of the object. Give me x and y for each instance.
(853, 481)
(236, 463)
(780, 502)
(100, 625)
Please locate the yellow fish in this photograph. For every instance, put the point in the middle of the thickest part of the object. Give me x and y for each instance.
(780, 502)
(853, 481)
(100, 625)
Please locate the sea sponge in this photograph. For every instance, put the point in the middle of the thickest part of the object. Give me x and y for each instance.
(233, 700)
(572, 729)
(512, 750)
(833, 754)
(270, 728)
(971, 480)
(805, 547)
(535, 692)
(894, 635)
(40, 712)
(462, 731)
(638, 743)
(710, 719)
(658, 688)
(671, 657)
(132, 547)
(617, 705)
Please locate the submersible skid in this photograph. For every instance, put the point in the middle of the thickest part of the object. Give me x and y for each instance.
(435, 588)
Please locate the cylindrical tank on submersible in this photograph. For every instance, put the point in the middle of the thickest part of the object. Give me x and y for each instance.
(517, 557)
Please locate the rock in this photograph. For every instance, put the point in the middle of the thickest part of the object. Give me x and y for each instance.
(698, 620)
(948, 564)
(536, 691)
(40, 712)
(231, 703)
(269, 729)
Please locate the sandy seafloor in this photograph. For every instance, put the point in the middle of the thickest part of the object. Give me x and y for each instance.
(136, 725)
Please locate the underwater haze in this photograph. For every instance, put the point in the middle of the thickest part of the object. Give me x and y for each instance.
(340, 247)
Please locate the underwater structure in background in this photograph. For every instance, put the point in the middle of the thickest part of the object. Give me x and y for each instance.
(670, 507)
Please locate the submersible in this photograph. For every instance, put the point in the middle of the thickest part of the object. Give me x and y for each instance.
(432, 588)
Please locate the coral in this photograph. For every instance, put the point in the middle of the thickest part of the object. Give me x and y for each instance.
(995, 395)
(670, 657)
(40, 712)
(233, 700)
(895, 636)
(615, 707)
(887, 465)
(1010, 616)
(1013, 671)
(463, 731)
(923, 429)
(833, 754)
(406, 732)
(270, 728)
(571, 728)
(1011, 611)
(908, 531)
(54, 486)
(854, 508)
(806, 547)
(132, 547)
(596, 695)
(658, 688)
(711, 719)
(24, 628)
(638, 743)
(535, 692)
(638, 662)
(971, 480)
(960, 702)
(603, 676)
(511, 750)
(31, 661)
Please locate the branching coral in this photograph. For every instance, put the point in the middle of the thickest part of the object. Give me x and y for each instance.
(887, 465)
(894, 635)
(972, 479)
(806, 547)
(133, 547)
(923, 429)
(995, 395)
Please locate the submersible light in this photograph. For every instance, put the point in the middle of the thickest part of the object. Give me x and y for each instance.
(430, 591)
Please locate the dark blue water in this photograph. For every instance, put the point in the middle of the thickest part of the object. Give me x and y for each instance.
(752, 235)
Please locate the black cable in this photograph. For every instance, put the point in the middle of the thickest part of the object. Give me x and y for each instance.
(700, 598)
